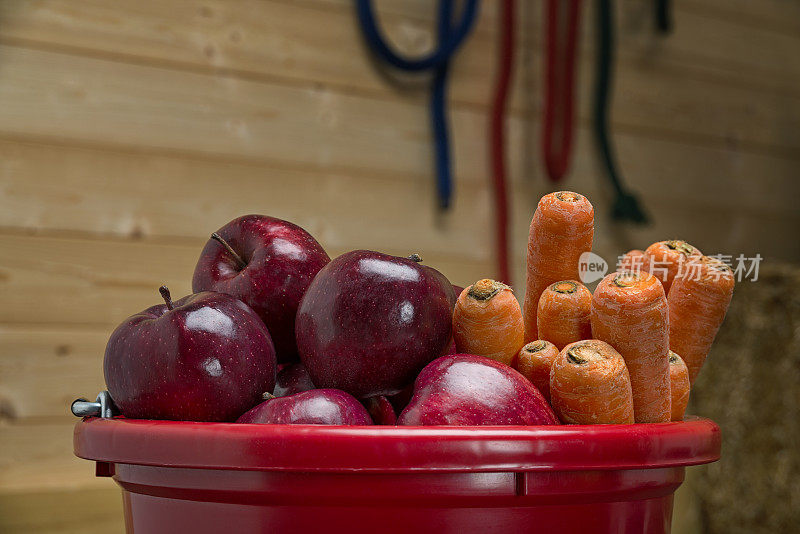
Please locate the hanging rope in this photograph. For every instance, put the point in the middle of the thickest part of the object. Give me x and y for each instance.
(444, 52)
(663, 16)
(450, 36)
(502, 88)
(626, 206)
(441, 137)
(562, 18)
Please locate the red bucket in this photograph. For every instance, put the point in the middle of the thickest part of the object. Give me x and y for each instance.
(219, 477)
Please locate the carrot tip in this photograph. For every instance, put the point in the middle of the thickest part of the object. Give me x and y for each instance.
(582, 353)
(568, 196)
(627, 279)
(535, 346)
(486, 289)
(681, 246)
(716, 264)
(565, 287)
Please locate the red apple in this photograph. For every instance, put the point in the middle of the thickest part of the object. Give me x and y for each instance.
(268, 264)
(381, 410)
(313, 407)
(292, 379)
(370, 322)
(205, 357)
(463, 389)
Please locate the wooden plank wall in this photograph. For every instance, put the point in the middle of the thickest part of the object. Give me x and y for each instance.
(130, 131)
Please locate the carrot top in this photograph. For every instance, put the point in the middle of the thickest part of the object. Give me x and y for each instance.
(680, 246)
(640, 283)
(566, 211)
(486, 289)
(667, 259)
(582, 353)
(536, 346)
(708, 269)
(568, 196)
(565, 286)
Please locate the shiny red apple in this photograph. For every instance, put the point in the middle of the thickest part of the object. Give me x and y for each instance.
(268, 264)
(463, 389)
(370, 322)
(313, 407)
(205, 357)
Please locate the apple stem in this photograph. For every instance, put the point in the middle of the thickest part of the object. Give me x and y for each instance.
(166, 296)
(216, 237)
(416, 258)
(267, 396)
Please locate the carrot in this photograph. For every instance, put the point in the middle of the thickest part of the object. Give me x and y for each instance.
(561, 230)
(563, 313)
(679, 385)
(664, 259)
(698, 302)
(487, 321)
(589, 384)
(633, 260)
(534, 361)
(629, 312)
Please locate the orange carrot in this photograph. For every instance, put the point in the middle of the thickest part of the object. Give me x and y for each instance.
(487, 321)
(561, 230)
(534, 362)
(633, 260)
(563, 313)
(629, 311)
(698, 302)
(679, 386)
(590, 385)
(664, 259)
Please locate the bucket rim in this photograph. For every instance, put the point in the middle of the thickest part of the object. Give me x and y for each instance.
(320, 448)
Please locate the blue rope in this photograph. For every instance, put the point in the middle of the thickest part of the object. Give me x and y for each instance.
(441, 138)
(447, 48)
(450, 37)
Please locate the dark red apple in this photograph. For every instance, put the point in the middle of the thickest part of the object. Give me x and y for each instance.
(292, 379)
(314, 407)
(463, 389)
(381, 410)
(268, 264)
(370, 322)
(205, 357)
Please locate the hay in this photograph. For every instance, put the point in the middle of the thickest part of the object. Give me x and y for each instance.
(750, 386)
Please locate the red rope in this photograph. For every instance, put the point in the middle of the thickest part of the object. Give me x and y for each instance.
(502, 87)
(559, 85)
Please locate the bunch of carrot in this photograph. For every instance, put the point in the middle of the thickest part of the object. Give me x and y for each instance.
(627, 353)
